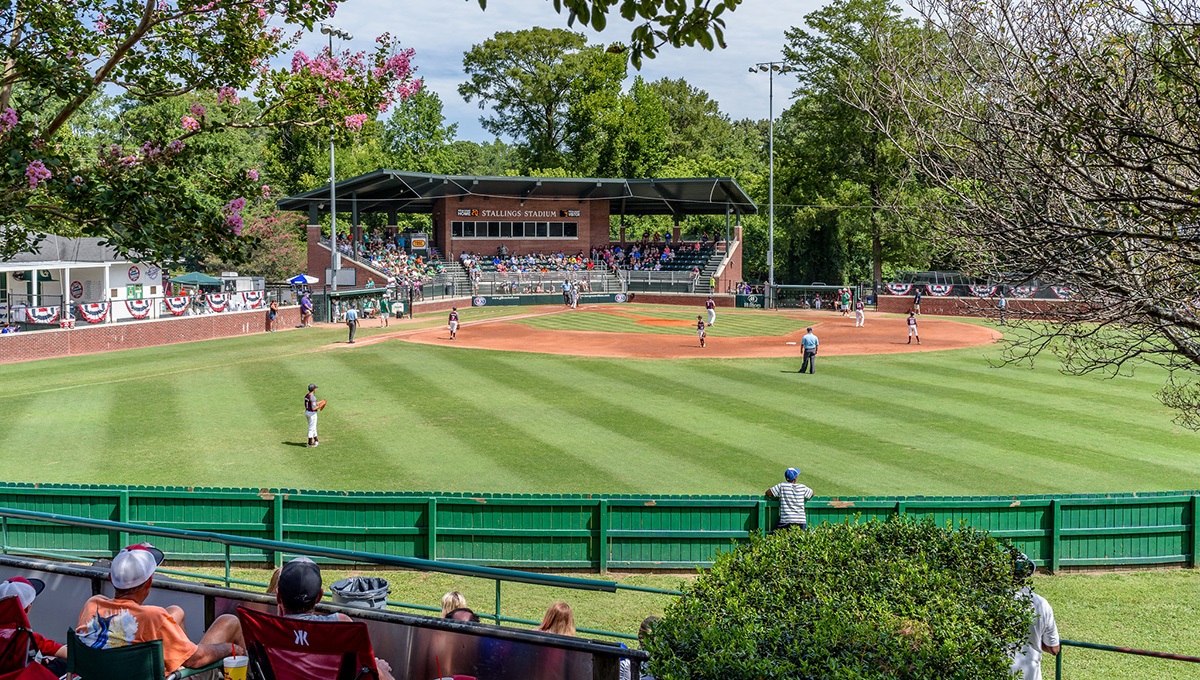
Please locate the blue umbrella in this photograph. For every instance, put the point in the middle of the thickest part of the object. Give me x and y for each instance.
(302, 279)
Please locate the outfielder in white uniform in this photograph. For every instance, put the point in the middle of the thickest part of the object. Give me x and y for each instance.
(712, 311)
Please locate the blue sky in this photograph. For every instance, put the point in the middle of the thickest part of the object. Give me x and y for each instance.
(442, 30)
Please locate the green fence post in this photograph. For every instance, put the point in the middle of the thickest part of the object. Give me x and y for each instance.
(123, 516)
(431, 534)
(1058, 663)
(277, 526)
(761, 506)
(602, 540)
(227, 547)
(497, 602)
(1055, 537)
(5, 527)
(1194, 560)
(901, 508)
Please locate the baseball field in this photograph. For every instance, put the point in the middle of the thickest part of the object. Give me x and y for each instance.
(621, 399)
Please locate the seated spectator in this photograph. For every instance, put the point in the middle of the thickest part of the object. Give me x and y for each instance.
(558, 620)
(26, 590)
(300, 589)
(123, 619)
(451, 601)
(462, 614)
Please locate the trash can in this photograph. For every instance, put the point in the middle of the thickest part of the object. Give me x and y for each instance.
(361, 591)
(397, 309)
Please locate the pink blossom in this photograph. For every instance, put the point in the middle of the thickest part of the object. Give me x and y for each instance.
(190, 124)
(198, 110)
(355, 122)
(8, 120)
(236, 205)
(37, 172)
(102, 24)
(252, 174)
(175, 146)
(163, 6)
(77, 181)
(266, 191)
(234, 222)
(233, 217)
(227, 95)
(129, 161)
(262, 13)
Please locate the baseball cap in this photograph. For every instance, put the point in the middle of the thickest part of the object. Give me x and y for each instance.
(134, 565)
(1023, 566)
(23, 588)
(312, 386)
(300, 584)
(791, 474)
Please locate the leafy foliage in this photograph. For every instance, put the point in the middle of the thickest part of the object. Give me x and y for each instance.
(900, 598)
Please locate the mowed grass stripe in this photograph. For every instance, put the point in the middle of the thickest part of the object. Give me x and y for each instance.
(604, 322)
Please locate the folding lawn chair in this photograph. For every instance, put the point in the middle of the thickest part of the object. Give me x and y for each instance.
(17, 649)
(282, 648)
(141, 661)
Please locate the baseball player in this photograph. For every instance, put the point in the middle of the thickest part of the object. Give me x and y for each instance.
(912, 329)
(700, 326)
(453, 322)
(712, 311)
(310, 412)
(860, 314)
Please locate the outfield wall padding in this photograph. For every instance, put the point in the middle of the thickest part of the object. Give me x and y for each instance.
(585, 532)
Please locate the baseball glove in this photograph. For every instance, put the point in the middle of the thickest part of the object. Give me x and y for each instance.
(321, 405)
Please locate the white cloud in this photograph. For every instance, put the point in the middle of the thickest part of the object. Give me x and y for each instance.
(442, 30)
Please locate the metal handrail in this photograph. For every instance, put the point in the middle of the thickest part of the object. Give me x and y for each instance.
(1058, 659)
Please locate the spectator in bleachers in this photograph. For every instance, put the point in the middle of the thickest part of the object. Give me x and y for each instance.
(559, 619)
(125, 619)
(26, 590)
(300, 589)
(451, 601)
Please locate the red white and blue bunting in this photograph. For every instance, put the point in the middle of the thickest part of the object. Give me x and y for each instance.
(177, 305)
(1063, 292)
(982, 291)
(94, 312)
(940, 289)
(139, 309)
(253, 299)
(41, 314)
(1024, 291)
(218, 301)
(899, 288)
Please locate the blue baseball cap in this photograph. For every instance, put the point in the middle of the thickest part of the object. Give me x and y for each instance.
(791, 474)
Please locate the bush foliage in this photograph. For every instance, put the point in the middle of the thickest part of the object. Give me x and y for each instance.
(901, 598)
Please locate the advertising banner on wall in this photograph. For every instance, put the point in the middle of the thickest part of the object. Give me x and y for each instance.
(750, 301)
(545, 299)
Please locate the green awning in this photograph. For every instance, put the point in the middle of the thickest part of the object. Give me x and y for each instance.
(196, 279)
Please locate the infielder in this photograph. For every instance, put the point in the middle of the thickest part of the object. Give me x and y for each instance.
(453, 322)
(912, 329)
(860, 314)
(700, 326)
(712, 311)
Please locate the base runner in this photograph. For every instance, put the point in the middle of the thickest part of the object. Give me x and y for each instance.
(700, 326)
(453, 322)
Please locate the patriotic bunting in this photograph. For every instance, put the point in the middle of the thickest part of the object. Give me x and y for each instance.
(1024, 291)
(139, 309)
(982, 291)
(899, 288)
(940, 289)
(41, 314)
(94, 312)
(253, 299)
(218, 301)
(1063, 292)
(177, 305)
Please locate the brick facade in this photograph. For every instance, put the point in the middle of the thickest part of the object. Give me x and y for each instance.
(593, 222)
(112, 337)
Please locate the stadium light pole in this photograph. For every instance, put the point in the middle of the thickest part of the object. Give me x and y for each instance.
(334, 257)
(771, 68)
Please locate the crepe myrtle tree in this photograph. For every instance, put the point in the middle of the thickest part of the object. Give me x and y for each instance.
(57, 56)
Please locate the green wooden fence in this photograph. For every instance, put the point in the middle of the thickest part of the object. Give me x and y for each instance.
(588, 532)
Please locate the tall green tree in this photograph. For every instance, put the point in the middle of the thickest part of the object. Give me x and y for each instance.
(832, 159)
(417, 137)
(545, 87)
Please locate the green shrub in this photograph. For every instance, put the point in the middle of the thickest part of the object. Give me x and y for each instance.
(896, 599)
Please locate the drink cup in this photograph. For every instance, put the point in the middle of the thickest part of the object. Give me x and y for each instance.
(236, 667)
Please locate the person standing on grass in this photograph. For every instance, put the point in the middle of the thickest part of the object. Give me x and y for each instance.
(1043, 631)
(306, 311)
(791, 495)
(917, 301)
(700, 326)
(712, 311)
(452, 322)
(809, 344)
(860, 314)
(352, 321)
(1002, 305)
(311, 407)
(272, 314)
(912, 329)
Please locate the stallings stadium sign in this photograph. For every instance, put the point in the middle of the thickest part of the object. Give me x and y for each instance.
(509, 214)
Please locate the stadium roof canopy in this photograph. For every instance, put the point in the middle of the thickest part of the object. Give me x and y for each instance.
(417, 192)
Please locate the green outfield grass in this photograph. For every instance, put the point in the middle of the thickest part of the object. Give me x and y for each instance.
(730, 325)
(416, 417)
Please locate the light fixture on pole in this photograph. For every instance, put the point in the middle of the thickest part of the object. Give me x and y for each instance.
(334, 256)
(771, 68)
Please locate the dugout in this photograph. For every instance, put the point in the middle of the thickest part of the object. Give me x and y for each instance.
(482, 214)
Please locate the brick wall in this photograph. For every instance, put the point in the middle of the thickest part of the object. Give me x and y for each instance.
(957, 306)
(112, 337)
(318, 262)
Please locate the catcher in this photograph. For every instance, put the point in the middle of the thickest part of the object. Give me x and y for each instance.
(311, 407)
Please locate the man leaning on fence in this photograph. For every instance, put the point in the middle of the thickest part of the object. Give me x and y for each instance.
(791, 495)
